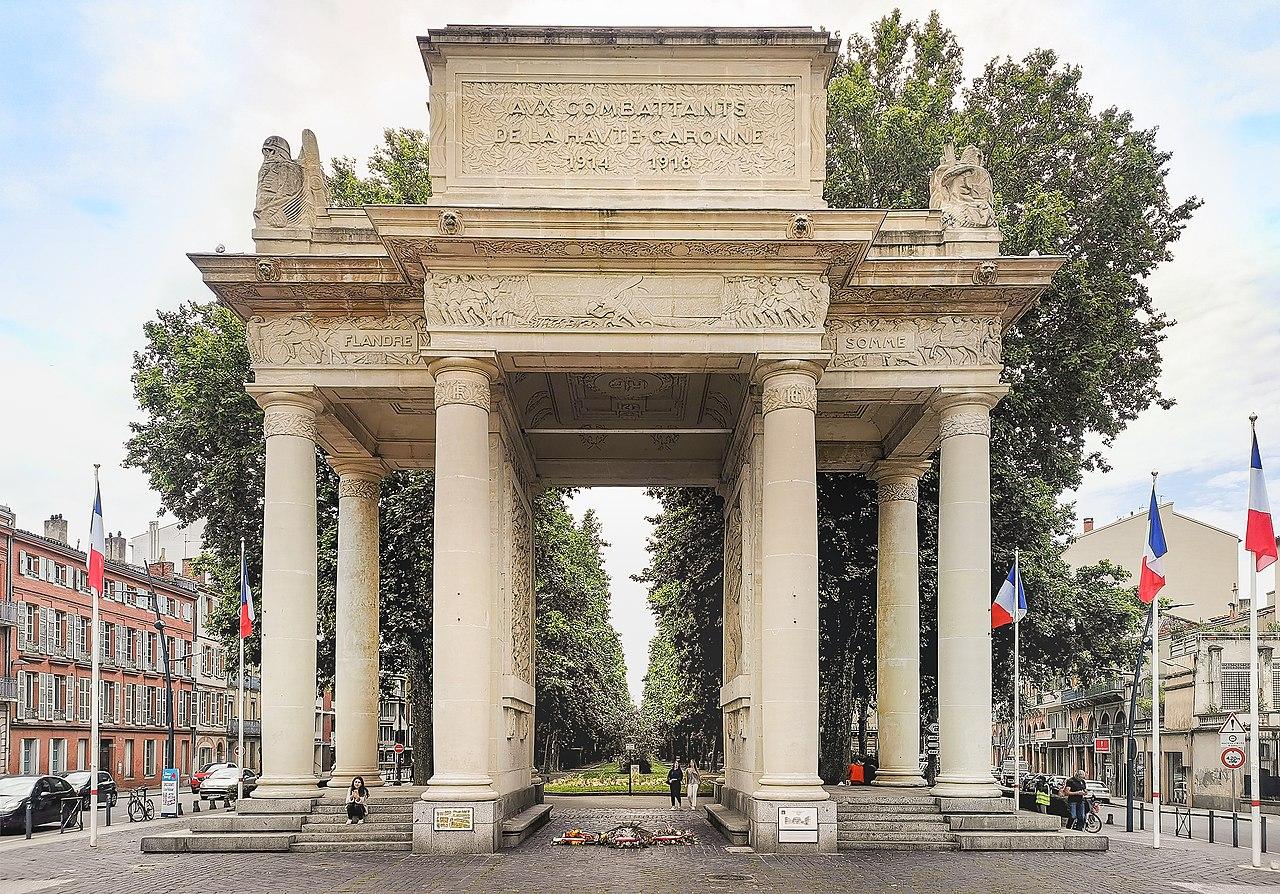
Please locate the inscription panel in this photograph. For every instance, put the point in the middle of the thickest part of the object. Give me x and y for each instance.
(635, 130)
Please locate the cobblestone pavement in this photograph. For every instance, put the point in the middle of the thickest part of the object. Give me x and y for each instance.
(537, 866)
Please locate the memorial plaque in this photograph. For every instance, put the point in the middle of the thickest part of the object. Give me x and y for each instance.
(453, 819)
(634, 130)
(798, 825)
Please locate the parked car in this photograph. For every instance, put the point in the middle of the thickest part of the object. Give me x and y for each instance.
(46, 794)
(200, 775)
(107, 792)
(1096, 789)
(1056, 783)
(222, 783)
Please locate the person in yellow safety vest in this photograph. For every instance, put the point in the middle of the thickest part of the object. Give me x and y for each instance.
(1042, 795)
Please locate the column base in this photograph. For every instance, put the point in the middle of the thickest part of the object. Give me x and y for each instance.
(899, 778)
(768, 837)
(341, 777)
(288, 787)
(965, 787)
(459, 788)
(456, 826)
(790, 788)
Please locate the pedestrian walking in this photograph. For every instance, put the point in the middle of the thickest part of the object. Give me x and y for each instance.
(693, 777)
(674, 778)
(1042, 795)
(357, 802)
(1077, 809)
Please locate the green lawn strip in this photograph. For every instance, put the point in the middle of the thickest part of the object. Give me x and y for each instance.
(606, 779)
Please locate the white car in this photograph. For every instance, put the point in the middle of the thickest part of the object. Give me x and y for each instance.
(224, 783)
(1096, 789)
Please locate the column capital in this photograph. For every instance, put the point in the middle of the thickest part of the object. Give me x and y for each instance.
(462, 380)
(789, 384)
(289, 413)
(358, 476)
(900, 469)
(949, 400)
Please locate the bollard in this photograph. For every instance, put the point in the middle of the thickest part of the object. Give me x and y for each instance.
(29, 817)
(1264, 834)
(1235, 829)
(195, 806)
(1211, 827)
(108, 813)
(1111, 819)
(1142, 816)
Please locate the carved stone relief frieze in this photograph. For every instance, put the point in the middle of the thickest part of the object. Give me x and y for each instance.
(641, 130)
(965, 424)
(625, 301)
(733, 591)
(289, 420)
(521, 589)
(946, 341)
(308, 340)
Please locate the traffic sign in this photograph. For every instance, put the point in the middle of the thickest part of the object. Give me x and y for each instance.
(1233, 733)
(399, 748)
(1233, 758)
(1101, 746)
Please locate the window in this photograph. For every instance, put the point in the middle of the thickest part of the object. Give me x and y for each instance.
(60, 574)
(149, 758)
(30, 565)
(30, 757)
(1235, 687)
(83, 685)
(128, 758)
(57, 756)
(82, 754)
(30, 638)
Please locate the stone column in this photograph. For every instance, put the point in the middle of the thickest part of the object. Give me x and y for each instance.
(898, 622)
(356, 714)
(462, 701)
(289, 597)
(964, 597)
(789, 602)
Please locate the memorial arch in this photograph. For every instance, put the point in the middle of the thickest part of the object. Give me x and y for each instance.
(626, 274)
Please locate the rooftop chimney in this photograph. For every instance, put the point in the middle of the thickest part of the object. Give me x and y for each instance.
(55, 528)
(116, 546)
(7, 517)
(161, 569)
(1088, 524)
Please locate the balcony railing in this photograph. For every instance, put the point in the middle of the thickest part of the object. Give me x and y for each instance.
(8, 689)
(251, 727)
(1052, 735)
(28, 645)
(9, 613)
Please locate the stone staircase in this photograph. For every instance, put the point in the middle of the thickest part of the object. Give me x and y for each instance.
(882, 819)
(389, 826)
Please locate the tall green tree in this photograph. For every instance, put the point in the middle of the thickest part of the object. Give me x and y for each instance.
(686, 592)
(584, 707)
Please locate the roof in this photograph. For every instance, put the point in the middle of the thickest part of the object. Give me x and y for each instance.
(1163, 506)
(137, 573)
(630, 36)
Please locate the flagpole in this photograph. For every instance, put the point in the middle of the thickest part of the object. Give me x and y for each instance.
(1255, 804)
(95, 683)
(1155, 702)
(1017, 713)
(240, 696)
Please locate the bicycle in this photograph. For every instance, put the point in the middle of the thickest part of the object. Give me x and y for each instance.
(140, 806)
(1093, 819)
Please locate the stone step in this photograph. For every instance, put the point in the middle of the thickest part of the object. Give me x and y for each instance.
(217, 842)
(900, 837)
(357, 833)
(247, 822)
(890, 817)
(373, 819)
(897, 846)
(374, 810)
(846, 808)
(892, 826)
(344, 828)
(878, 798)
(324, 847)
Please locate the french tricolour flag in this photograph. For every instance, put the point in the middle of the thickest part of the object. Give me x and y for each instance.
(1259, 530)
(1151, 580)
(97, 543)
(247, 616)
(1011, 602)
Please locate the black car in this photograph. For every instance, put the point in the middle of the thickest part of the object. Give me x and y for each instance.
(46, 794)
(107, 792)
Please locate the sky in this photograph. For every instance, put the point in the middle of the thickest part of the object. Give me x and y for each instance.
(130, 135)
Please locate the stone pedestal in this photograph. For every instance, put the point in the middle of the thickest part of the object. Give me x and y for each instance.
(441, 827)
(765, 833)
(898, 623)
(356, 713)
(964, 598)
(289, 598)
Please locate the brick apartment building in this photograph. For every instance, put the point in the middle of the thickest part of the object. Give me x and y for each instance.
(45, 612)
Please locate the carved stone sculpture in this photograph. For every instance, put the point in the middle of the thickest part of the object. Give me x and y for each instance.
(308, 340)
(961, 188)
(291, 192)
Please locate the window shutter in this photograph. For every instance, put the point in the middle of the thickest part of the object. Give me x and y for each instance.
(22, 562)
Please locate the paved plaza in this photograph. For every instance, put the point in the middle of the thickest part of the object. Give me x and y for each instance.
(537, 866)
